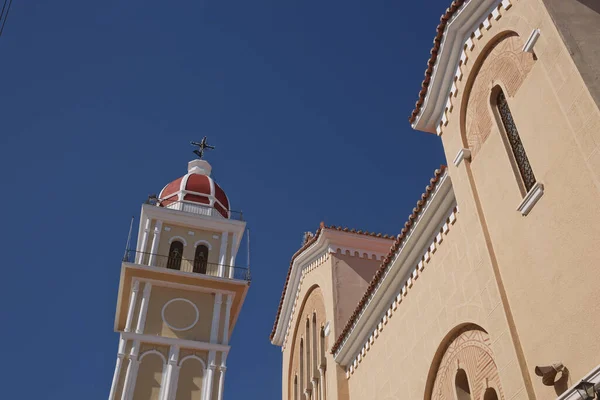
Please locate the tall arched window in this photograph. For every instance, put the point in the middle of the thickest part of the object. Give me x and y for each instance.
(296, 388)
(490, 394)
(462, 385)
(514, 140)
(315, 350)
(301, 367)
(201, 259)
(175, 255)
(308, 363)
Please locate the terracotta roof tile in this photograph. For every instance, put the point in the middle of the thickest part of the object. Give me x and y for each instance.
(437, 41)
(307, 245)
(386, 262)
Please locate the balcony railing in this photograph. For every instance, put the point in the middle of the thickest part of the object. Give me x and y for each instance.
(185, 265)
(200, 209)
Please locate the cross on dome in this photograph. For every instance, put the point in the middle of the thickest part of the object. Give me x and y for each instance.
(201, 147)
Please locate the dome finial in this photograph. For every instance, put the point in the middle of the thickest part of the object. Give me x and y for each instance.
(201, 147)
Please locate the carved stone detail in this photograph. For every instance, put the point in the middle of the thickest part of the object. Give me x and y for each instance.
(469, 350)
(505, 62)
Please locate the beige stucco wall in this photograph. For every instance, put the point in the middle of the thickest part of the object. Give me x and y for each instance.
(321, 276)
(546, 260)
(457, 287)
(351, 275)
(179, 314)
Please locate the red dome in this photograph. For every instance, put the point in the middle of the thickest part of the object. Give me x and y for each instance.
(195, 187)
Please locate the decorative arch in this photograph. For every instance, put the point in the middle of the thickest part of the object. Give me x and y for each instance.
(195, 357)
(204, 242)
(191, 379)
(151, 375)
(178, 238)
(467, 348)
(144, 354)
(502, 62)
(311, 312)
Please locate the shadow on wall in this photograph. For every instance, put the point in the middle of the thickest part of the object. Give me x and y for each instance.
(593, 4)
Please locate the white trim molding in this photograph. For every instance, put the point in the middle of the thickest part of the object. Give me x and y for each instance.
(468, 23)
(531, 41)
(179, 238)
(532, 197)
(204, 242)
(571, 394)
(397, 298)
(182, 343)
(328, 242)
(463, 154)
(185, 328)
(162, 356)
(419, 244)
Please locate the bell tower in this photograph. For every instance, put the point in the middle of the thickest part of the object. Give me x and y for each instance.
(180, 293)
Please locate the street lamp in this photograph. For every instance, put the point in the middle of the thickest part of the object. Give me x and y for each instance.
(586, 390)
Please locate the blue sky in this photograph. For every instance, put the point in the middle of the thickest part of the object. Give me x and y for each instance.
(306, 101)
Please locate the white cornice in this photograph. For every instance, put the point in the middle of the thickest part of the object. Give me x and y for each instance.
(418, 240)
(329, 241)
(457, 31)
(190, 220)
(182, 343)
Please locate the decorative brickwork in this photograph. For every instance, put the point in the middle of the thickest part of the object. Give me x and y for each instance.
(470, 351)
(504, 62)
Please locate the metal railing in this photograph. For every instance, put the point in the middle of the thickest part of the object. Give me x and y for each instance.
(200, 209)
(185, 265)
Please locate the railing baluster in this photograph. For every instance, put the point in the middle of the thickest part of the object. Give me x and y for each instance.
(186, 265)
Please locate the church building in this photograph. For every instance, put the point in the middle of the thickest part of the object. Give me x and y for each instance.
(490, 289)
(180, 293)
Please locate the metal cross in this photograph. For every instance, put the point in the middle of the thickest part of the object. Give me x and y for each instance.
(201, 147)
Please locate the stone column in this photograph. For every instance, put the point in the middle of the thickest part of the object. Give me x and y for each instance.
(231, 271)
(307, 394)
(223, 254)
(132, 300)
(323, 382)
(228, 303)
(171, 375)
(155, 241)
(210, 373)
(144, 308)
(214, 329)
(131, 374)
(119, 364)
(222, 370)
(144, 243)
(315, 388)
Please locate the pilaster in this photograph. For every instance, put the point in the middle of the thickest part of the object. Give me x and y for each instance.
(172, 374)
(143, 308)
(144, 243)
(132, 300)
(228, 303)
(223, 253)
(155, 241)
(214, 329)
(132, 370)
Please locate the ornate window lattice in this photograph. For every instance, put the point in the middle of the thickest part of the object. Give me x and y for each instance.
(515, 142)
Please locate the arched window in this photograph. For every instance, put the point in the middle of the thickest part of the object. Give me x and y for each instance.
(490, 394)
(201, 259)
(175, 255)
(462, 385)
(315, 350)
(514, 140)
(301, 367)
(308, 363)
(296, 387)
